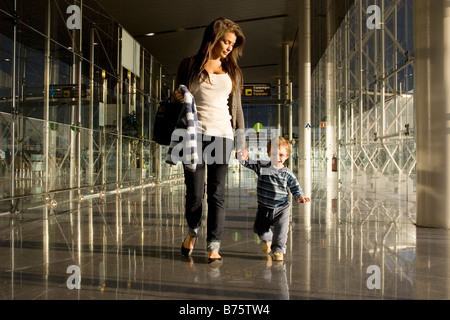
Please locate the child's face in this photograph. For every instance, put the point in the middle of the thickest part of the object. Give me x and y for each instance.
(278, 158)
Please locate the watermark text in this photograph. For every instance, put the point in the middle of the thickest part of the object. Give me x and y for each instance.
(374, 20)
(374, 280)
(74, 21)
(74, 280)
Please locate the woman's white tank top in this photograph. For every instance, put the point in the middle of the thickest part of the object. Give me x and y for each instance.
(211, 99)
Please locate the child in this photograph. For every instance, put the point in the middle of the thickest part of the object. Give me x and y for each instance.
(274, 179)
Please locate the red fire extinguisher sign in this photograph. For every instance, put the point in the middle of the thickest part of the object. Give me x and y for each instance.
(334, 162)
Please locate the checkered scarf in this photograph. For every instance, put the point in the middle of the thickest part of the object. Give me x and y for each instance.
(186, 128)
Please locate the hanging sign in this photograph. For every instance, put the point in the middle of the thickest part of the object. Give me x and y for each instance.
(66, 91)
(257, 90)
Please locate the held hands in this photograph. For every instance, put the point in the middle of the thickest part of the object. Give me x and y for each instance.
(242, 155)
(303, 199)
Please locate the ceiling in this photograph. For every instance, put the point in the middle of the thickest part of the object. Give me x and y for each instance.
(267, 24)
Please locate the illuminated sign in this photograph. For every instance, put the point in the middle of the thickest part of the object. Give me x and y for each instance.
(257, 90)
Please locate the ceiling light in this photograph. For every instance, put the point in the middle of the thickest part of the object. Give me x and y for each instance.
(150, 34)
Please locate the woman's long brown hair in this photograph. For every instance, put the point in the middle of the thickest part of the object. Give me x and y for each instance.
(213, 33)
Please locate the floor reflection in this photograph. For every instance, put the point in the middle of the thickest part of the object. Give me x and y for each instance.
(348, 243)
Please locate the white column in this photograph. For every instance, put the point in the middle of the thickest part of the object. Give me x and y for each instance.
(331, 132)
(304, 103)
(432, 98)
(285, 89)
(304, 133)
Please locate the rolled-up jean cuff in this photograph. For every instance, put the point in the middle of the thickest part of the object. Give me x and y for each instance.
(213, 246)
(193, 232)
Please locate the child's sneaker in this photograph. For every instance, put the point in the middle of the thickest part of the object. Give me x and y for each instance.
(278, 256)
(266, 247)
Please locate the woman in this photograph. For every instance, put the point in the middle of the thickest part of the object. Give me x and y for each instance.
(215, 80)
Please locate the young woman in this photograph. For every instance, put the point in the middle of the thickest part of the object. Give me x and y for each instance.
(215, 80)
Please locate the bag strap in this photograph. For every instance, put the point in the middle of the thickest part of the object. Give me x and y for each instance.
(191, 63)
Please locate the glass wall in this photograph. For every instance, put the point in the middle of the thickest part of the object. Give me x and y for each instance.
(77, 100)
(371, 60)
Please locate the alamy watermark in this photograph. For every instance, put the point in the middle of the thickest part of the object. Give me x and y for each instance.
(216, 151)
(74, 21)
(374, 20)
(374, 280)
(74, 280)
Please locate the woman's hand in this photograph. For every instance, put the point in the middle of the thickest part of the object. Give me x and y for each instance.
(177, 96)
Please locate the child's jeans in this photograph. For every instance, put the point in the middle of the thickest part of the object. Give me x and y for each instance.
(279, 219)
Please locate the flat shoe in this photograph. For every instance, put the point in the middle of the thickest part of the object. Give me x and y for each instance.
(219, 259)
(215, 262)
(215, 259)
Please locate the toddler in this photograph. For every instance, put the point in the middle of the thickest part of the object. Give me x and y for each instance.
(274, 179)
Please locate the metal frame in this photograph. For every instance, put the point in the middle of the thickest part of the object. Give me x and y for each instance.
(375, 102)
(75, 155)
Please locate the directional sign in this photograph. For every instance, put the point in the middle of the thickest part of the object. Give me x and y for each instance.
(257, 90)
(66, 91)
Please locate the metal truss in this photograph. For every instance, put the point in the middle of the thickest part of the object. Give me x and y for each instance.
(373, 69)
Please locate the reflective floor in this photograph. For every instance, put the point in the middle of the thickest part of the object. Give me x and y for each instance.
(352, 244)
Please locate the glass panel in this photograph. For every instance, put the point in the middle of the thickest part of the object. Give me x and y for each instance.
(77, 140)
(375, 93)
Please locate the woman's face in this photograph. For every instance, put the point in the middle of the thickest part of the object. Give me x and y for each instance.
(224, 46)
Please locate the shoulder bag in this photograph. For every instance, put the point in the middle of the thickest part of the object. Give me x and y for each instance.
(165, 121)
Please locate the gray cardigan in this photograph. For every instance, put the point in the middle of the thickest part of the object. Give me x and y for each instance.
(234, 103)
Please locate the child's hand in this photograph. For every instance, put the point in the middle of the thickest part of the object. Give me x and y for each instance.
(242, 155)
(303, 199)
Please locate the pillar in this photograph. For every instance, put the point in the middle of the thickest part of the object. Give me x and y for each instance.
(285, 90)
(432, 98)
(304, 136)
(304, 95)
(331, 132)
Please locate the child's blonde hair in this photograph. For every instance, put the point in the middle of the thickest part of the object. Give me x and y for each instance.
(282, 142)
